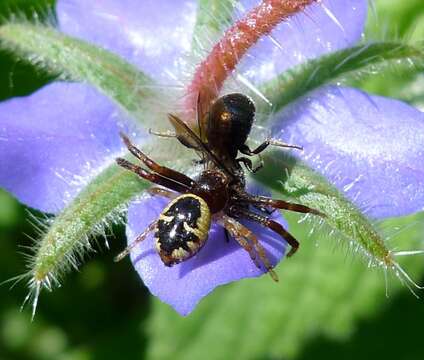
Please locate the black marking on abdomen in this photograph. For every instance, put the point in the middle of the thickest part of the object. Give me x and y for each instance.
(172, 234)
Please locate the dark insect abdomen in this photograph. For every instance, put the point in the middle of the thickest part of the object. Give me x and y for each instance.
(229, 123)
(182, 229)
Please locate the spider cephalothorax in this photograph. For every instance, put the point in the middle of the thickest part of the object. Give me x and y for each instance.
(218, 193)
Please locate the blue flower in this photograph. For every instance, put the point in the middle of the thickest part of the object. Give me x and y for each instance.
(53, 142)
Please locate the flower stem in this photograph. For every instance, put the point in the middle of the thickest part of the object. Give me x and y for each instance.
(236, 41)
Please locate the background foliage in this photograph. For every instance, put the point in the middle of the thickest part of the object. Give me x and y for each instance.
(327, 304)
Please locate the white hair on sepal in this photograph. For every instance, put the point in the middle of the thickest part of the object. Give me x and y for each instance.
(388, 232)
(202, 44)
(36, 13)
(201, 47)
(414, 224)
(71, 260)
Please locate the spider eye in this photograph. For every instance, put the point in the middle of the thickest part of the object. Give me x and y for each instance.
(182, 229)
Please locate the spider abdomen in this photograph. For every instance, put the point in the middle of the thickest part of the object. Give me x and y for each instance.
(182, 228)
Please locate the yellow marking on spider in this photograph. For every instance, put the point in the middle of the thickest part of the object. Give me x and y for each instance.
(180, 253)
(157, 245)
(165, 217)
(193, 246)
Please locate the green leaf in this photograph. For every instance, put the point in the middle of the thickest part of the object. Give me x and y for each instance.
(323, 293)
(77, 60)
(9, 210)
(396, 18)
(359, 60)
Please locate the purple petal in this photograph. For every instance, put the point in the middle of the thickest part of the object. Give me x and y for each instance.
(218, 262)
(53, 141)
(370, 147)
(324, 27)
(150, 34)
(154, 35)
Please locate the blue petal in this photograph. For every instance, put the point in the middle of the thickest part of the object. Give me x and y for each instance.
(155, 35)
(150, 34)
(54, 141)
(370, 147)
(323, 27)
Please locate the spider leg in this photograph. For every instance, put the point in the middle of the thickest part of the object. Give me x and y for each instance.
(246, 150)
(243, 236)
(157, 191)
(161, 170)
(264, 209)
(154, 178)
(280, 204)
(271, 224)
(239, 233)
(138, 240)
(227, 235)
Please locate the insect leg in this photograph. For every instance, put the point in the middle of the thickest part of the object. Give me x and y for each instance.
(249, 165)
(161, 170)
(168, 134)
(138, 240)
(246, 150)
(241, 234)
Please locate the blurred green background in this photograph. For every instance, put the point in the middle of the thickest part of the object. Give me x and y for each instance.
(328, 304)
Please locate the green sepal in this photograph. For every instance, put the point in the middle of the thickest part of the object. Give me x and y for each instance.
(68, 238)
(213, 17)
(76, 60)
(355, 61)
(293, 179)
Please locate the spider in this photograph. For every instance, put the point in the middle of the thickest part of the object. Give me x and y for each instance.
(218, 193)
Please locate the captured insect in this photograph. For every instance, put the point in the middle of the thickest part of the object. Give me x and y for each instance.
(218, 193)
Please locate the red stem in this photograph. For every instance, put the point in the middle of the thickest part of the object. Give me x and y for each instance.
(225, 55)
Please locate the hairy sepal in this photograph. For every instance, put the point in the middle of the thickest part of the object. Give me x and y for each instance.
(360, 60)
(213, 17)
(67, 238)
(75, 60)
(290, 178)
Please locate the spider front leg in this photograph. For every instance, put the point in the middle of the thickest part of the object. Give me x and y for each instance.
(271, 224)
(138, 240)
(280, 204)
(154, 178)
(243, 236)
(157, 191)
(161, 170)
